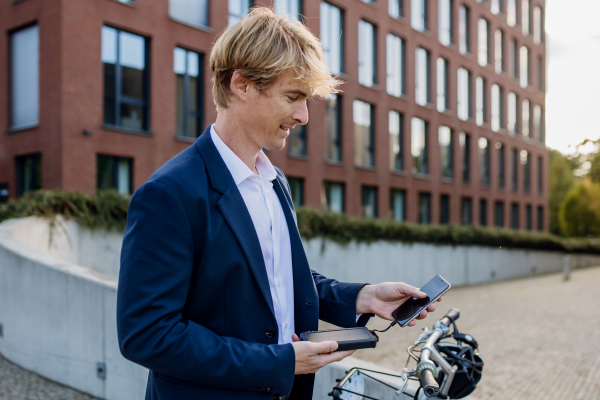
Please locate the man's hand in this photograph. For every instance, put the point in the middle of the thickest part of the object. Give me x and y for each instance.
(311, 357)
(384, 298)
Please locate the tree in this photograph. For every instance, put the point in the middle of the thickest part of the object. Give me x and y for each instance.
(579, 213)
(561, 181)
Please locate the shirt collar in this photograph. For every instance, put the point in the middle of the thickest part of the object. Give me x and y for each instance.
(238, 169)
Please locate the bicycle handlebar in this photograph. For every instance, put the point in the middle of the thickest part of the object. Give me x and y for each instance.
(451, 316)
(429, 384)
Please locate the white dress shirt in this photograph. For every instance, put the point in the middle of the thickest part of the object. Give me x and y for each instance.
(271, 227)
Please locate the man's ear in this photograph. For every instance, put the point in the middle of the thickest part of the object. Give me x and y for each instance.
(239, 85)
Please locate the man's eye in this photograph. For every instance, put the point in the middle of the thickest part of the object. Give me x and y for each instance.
(292, 98)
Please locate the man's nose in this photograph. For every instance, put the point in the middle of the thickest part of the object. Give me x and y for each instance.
(301, 114)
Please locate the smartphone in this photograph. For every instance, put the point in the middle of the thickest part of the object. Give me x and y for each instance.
(412, 307)
(347, 339)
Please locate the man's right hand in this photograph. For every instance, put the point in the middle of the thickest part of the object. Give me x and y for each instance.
(311, 357)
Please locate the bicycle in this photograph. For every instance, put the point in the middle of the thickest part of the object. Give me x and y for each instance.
(444, 370)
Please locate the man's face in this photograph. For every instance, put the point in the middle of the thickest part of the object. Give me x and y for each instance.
(270, 115)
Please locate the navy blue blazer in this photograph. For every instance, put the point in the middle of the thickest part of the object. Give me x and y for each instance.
(193, 302)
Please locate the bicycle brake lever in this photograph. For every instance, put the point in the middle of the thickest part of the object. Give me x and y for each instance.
(404, 375)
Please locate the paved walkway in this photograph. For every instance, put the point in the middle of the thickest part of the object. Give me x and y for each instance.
(19, 384)
(540, 337)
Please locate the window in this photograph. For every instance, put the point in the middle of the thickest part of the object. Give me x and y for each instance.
(366, 53)
(419, 15)
(418, 146)
(363, 134)
(499, 214)
(466, 211)
(395, 8)
(464, 140)
(483, 212)
(369, 202)
(528, 217)
(422, 76)
(484, 161)
(398, 205)
(444, 209)
(443, 94)
(126, 79)
(540, 218)
(463, 30)
(540, 180)
(511, 115)
(446, 144)
(192, 12)
(480, 101)
(524, 67)
(291, 8)
(24, 78)
(29, 173)
(537, 25)
(525, 120)
(332, 37)
(114, 173)
(525, 16)
(297, 189)
(515, 58)
(445, 22)
(463, 106)
(515, 170)
(333, 199)
(499, 51)
(238, 9)
(501, 165)
(333, 127)
(396, 129)
(395, 65)
(511, 12)
(483, 56)
(540, 74)
(537, 123)
(514, 216)
(188, 69)
(298, 141)
(496, 108)
(496, 6)
(424, 208)
(525, 161)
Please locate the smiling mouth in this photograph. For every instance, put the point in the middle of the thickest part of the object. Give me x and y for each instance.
(286, 129)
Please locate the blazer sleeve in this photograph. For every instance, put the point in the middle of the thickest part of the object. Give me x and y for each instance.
(157, 261)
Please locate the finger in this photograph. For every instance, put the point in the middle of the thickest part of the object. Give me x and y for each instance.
(431, 308)
(440, 299)
(295, 337)
(326, 347)
(422, 314)
(415, 292)
(412, 323)
(334, 357)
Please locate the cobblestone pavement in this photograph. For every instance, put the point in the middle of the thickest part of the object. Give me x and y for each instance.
(540, 337)
(19, 384)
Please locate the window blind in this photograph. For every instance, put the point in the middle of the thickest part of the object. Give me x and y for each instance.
(24, 78)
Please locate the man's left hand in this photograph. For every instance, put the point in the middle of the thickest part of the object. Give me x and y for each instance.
(384, 298)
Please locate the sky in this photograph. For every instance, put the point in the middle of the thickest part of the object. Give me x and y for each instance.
(573, 73)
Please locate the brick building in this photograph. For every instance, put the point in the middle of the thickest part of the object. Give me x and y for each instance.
(440, 119)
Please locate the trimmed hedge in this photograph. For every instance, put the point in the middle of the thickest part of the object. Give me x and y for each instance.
(108, 210)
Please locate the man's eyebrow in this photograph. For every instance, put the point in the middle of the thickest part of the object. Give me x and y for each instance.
(298, 92)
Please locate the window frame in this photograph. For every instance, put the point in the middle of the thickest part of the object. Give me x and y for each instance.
(115, 171)
(199, 115)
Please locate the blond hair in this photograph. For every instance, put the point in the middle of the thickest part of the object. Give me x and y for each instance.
(262, 47)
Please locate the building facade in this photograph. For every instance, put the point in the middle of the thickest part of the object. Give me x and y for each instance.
(440, 118)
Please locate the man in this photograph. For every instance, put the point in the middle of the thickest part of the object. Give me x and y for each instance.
(214, 284)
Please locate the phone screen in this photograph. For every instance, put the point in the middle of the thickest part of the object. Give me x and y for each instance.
(412, 307)
(340, 335)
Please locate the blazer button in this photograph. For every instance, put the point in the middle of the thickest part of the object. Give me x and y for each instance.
(270, 333)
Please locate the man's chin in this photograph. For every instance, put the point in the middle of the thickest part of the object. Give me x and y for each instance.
(279, 145)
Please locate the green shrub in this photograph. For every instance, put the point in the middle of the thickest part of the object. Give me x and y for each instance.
(108, 211)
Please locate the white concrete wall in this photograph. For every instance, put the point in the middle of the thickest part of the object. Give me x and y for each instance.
(58, 301)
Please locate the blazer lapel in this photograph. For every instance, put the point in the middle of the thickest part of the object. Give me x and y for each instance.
(234, 211)
(305, 292)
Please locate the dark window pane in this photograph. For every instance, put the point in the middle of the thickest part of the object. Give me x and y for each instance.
(298, 140)
(114, 173)
(528, 218)
(514, 216)
(333, 127)
(132, 81)
(499, 214)
(483, 212)
(444, 209)
(29, 173)
(180, 99)
(369, 202)
(132, 116)
(398, 204)
(424, 208)
(333, 196)
(466, 211)
(297, 189)
(109, 94)
(540, 218)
